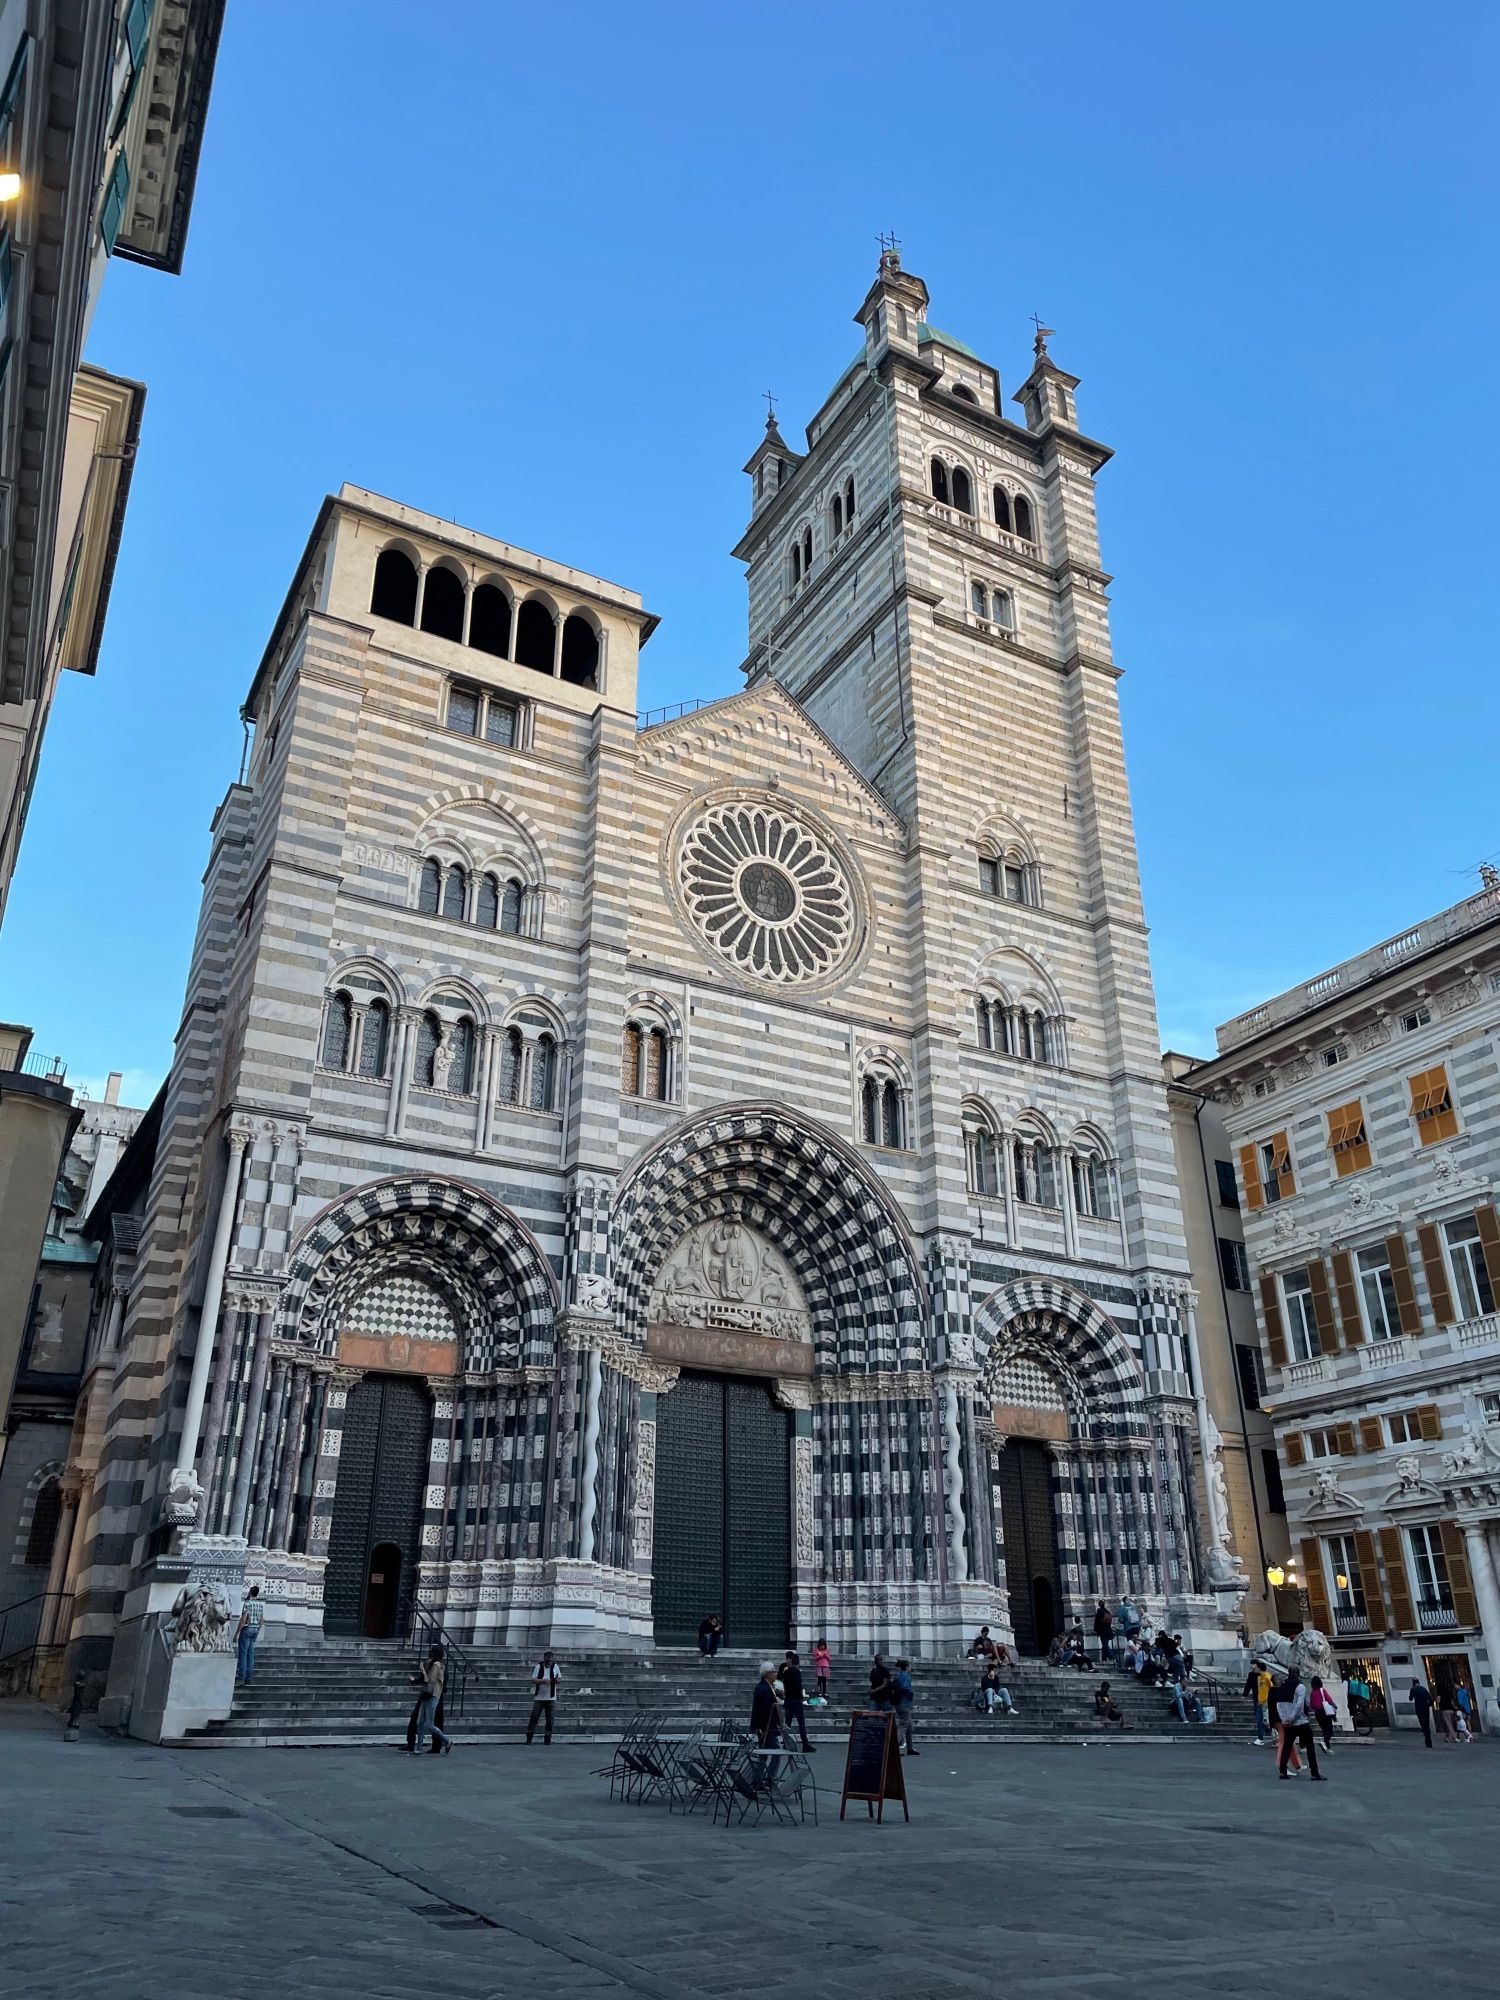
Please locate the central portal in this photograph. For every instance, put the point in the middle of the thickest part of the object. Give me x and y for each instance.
(377, 1506)
(723, 1513)
(1032, 1570)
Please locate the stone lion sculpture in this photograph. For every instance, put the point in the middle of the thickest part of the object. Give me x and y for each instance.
(200, 1619)
(1310, 1653)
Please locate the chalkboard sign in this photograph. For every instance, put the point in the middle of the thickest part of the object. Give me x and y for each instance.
(872, 1767)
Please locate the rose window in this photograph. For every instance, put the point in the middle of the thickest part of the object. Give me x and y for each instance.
(766, 892)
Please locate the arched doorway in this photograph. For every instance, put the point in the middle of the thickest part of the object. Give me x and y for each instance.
(1033, 1573)
(722, 1539)
(377, 1506)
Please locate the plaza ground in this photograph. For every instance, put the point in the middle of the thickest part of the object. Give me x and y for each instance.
(1114, 1868)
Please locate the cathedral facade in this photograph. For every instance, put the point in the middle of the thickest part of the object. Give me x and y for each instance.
(616, 1170)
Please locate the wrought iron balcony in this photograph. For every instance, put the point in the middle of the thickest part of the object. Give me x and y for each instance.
(1350, 1622)
(1437, 1618)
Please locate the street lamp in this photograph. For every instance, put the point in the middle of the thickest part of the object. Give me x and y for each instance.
(1275, 1576)
(10, 185)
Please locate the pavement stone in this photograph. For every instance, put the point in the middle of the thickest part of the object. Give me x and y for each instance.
(1027, 1869)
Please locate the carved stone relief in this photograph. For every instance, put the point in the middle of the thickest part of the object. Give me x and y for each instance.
(723, 1274)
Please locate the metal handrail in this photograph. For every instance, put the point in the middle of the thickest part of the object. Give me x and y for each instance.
(31, 1648)
(425, 1631)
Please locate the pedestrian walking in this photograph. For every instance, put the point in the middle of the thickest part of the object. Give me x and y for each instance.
(544, 1678)
(794, 1696)
(1447, 1712)
(1321, 1702)
(418, 1680)
(822, 1667)
(1104, 1631)
(1260, 1692)
(1465, 1713)
(434, 1673)
(882, 1686)
(1421, 1701)
(906, 1701)
(1295, 1716)
(252, 1615)
(765, 1709)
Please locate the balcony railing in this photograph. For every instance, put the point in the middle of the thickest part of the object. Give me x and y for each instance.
(1377, 1354)
(1346, 1623)
(1300, 1372)
(1437, 1618)
(1479, 1332)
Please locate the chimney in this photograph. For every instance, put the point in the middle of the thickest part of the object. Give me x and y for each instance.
(112, 1087)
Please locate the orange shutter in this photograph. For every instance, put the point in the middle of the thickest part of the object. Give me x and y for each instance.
(1317, 1275)
(1369, 1578)
(1343, 1284)
(1437, 1274)
(1393, 1555)
(1317, 1589)
(1250, 1178)
(1270, 1306)
(1432, 1105)
(1291, 1448)
(1430, 1421)
(1347, 1138)
(1459, 1580)
(1371, 1436)
(1282, 1151)
(1401, 1279)
(1489, 1243)
(1345, 1435)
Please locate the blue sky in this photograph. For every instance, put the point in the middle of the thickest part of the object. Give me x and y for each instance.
(532, 268)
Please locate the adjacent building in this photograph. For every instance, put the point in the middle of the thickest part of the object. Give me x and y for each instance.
(1363, 1109)
(611, 1172)
(102, 104)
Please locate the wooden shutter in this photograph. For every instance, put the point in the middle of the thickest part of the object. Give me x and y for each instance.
(1344, 1285)
(1345, 1435)
(1281, 1147)
(1371, 1436)
(1406, 1291)
(1317, 1589)
(1291, 1448)
(1437, 1274)
(1460, 1583)
(1403, 1615)
(1431, 1423)
(1250, 1178)
(1369, 1578)
(1270, 1305)
(1317, 1275)
(1489, 1244)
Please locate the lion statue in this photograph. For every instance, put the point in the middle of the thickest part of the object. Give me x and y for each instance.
(200, 1619)
(1310, 1653)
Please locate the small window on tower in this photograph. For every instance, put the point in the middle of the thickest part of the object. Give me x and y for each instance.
(963, 491)
(940, 481)
(1025, 524)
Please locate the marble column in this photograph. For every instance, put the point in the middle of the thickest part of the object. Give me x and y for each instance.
(1487, 1597)
(589, 1471)
(185, 1479)
(291, 1456)
(953, 1469)
(244, 1471)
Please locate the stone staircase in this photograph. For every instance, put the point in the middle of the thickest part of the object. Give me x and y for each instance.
(359, 1691)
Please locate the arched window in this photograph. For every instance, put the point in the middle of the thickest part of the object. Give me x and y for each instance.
(985, 1022)
(1046, 1177)
(1091, 1189)
(536, 636)
(1002, 510)
(487, 903)
(890, 1115)
(511, 1047)
(443, 603)
(979, 597)
(836, 516)
(461, 1056)
(394, 595)
(869, 1105)
(940, 481)
(430, 888)
(374, 1039)
(1025, 525)
(1034, 1169)
(982, 1156)
(510, 908)
(630, 1060)
(849, 501)
(963, 491)
(455, 892)
(338, 1027)
(580, 652)
(46, 1514)
(654, 1082)
(807, 551)
(964, 393)
(428, 1031)
(1003, 609)
(543, 1073)
(489, 621)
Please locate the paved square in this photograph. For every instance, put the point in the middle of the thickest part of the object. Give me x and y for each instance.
(1114, 1869)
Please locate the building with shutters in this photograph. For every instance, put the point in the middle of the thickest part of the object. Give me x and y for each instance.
(1364, 1112)
(620, 1167)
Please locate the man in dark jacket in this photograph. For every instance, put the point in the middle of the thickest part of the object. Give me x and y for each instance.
(793, 1696)
(882, 1686)
(1104, 1630)
(765, 1710)
(1421, 1701)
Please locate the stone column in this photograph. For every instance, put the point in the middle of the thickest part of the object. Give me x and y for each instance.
(62, 1554)
(953, 1479)
(1487, 1596)
(265, 1471)
(114, 1318)
(244, 1471)
(589, 1471)
(484, 1087)
(1219, 1562)
(184, 1483)
(407, 1019)
(291, 1456)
